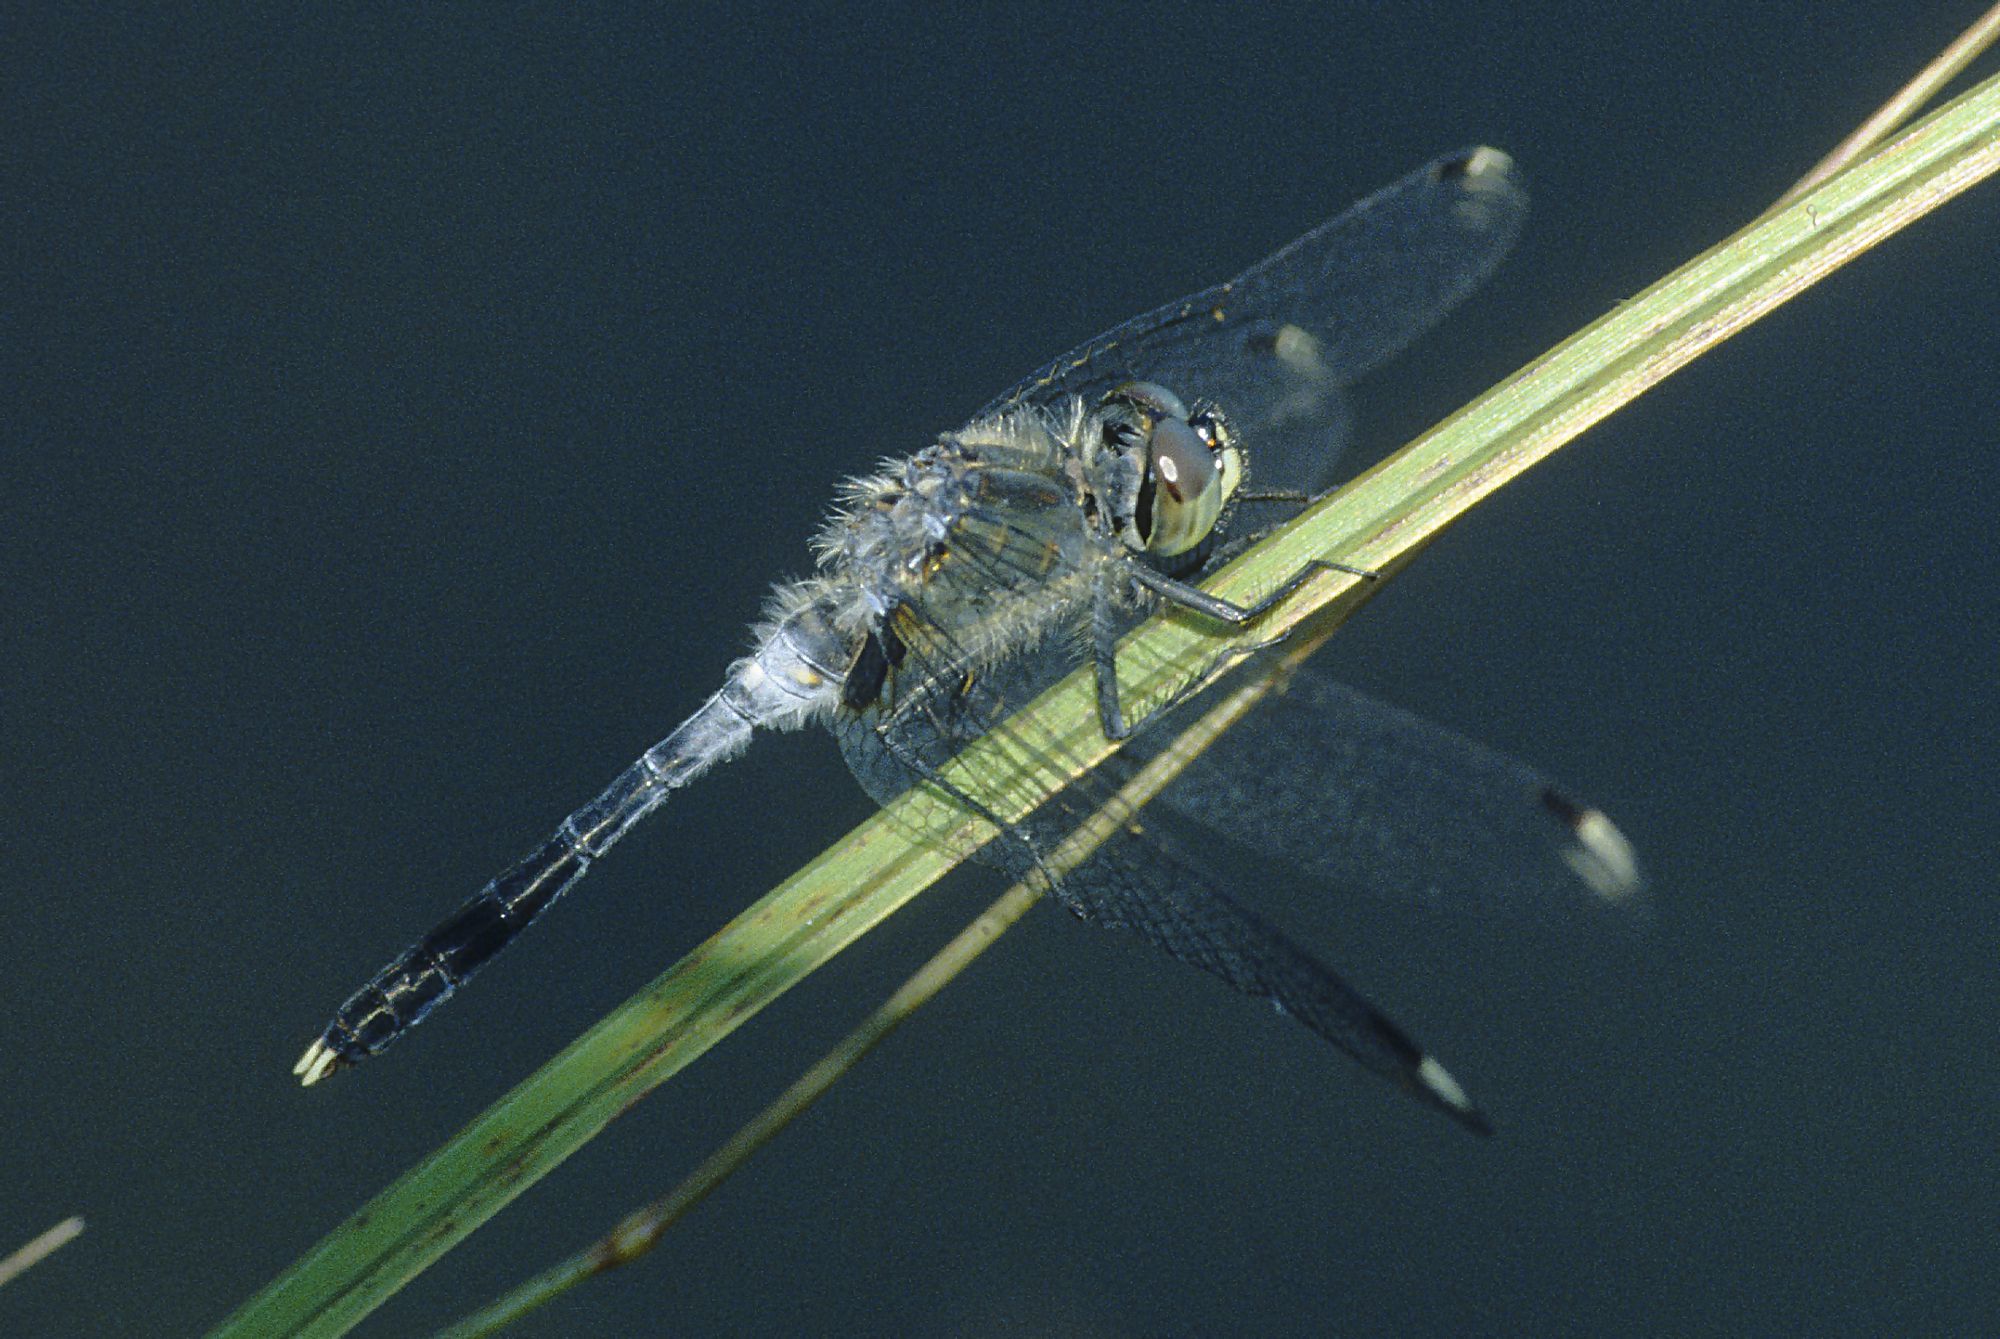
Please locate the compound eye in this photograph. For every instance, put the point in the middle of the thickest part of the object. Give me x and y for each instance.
(1183, 492)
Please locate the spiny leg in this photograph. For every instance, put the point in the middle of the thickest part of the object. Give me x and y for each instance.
(1106, 626)
(1187, 596)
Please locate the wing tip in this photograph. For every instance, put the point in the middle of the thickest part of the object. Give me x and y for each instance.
(1480, 166)
(1598, 853)
(1435, 1083)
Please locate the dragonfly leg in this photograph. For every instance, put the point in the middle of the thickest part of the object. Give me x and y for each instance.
(1106, 626)
(1225, 611)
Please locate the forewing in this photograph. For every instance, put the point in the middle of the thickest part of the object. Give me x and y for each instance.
(1275, 345)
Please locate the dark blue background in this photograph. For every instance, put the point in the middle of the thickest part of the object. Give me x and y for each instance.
(406, 414)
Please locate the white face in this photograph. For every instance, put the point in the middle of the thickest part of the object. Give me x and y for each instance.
(1190, 470)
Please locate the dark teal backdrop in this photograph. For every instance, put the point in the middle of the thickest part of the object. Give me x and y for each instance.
(404, 415)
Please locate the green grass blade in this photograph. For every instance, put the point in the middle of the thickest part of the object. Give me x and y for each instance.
(1379, 521)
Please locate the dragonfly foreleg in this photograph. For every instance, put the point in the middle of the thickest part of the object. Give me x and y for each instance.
(1106, 626)
(1188, 596)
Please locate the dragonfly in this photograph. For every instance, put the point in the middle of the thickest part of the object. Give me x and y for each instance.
(956, 582)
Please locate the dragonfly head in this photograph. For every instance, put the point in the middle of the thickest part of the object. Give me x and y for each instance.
(1189, 465)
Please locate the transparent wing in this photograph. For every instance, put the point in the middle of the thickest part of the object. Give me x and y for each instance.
(1134, 884)
(1275, 345)
(1366, 798)
(937, 702)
